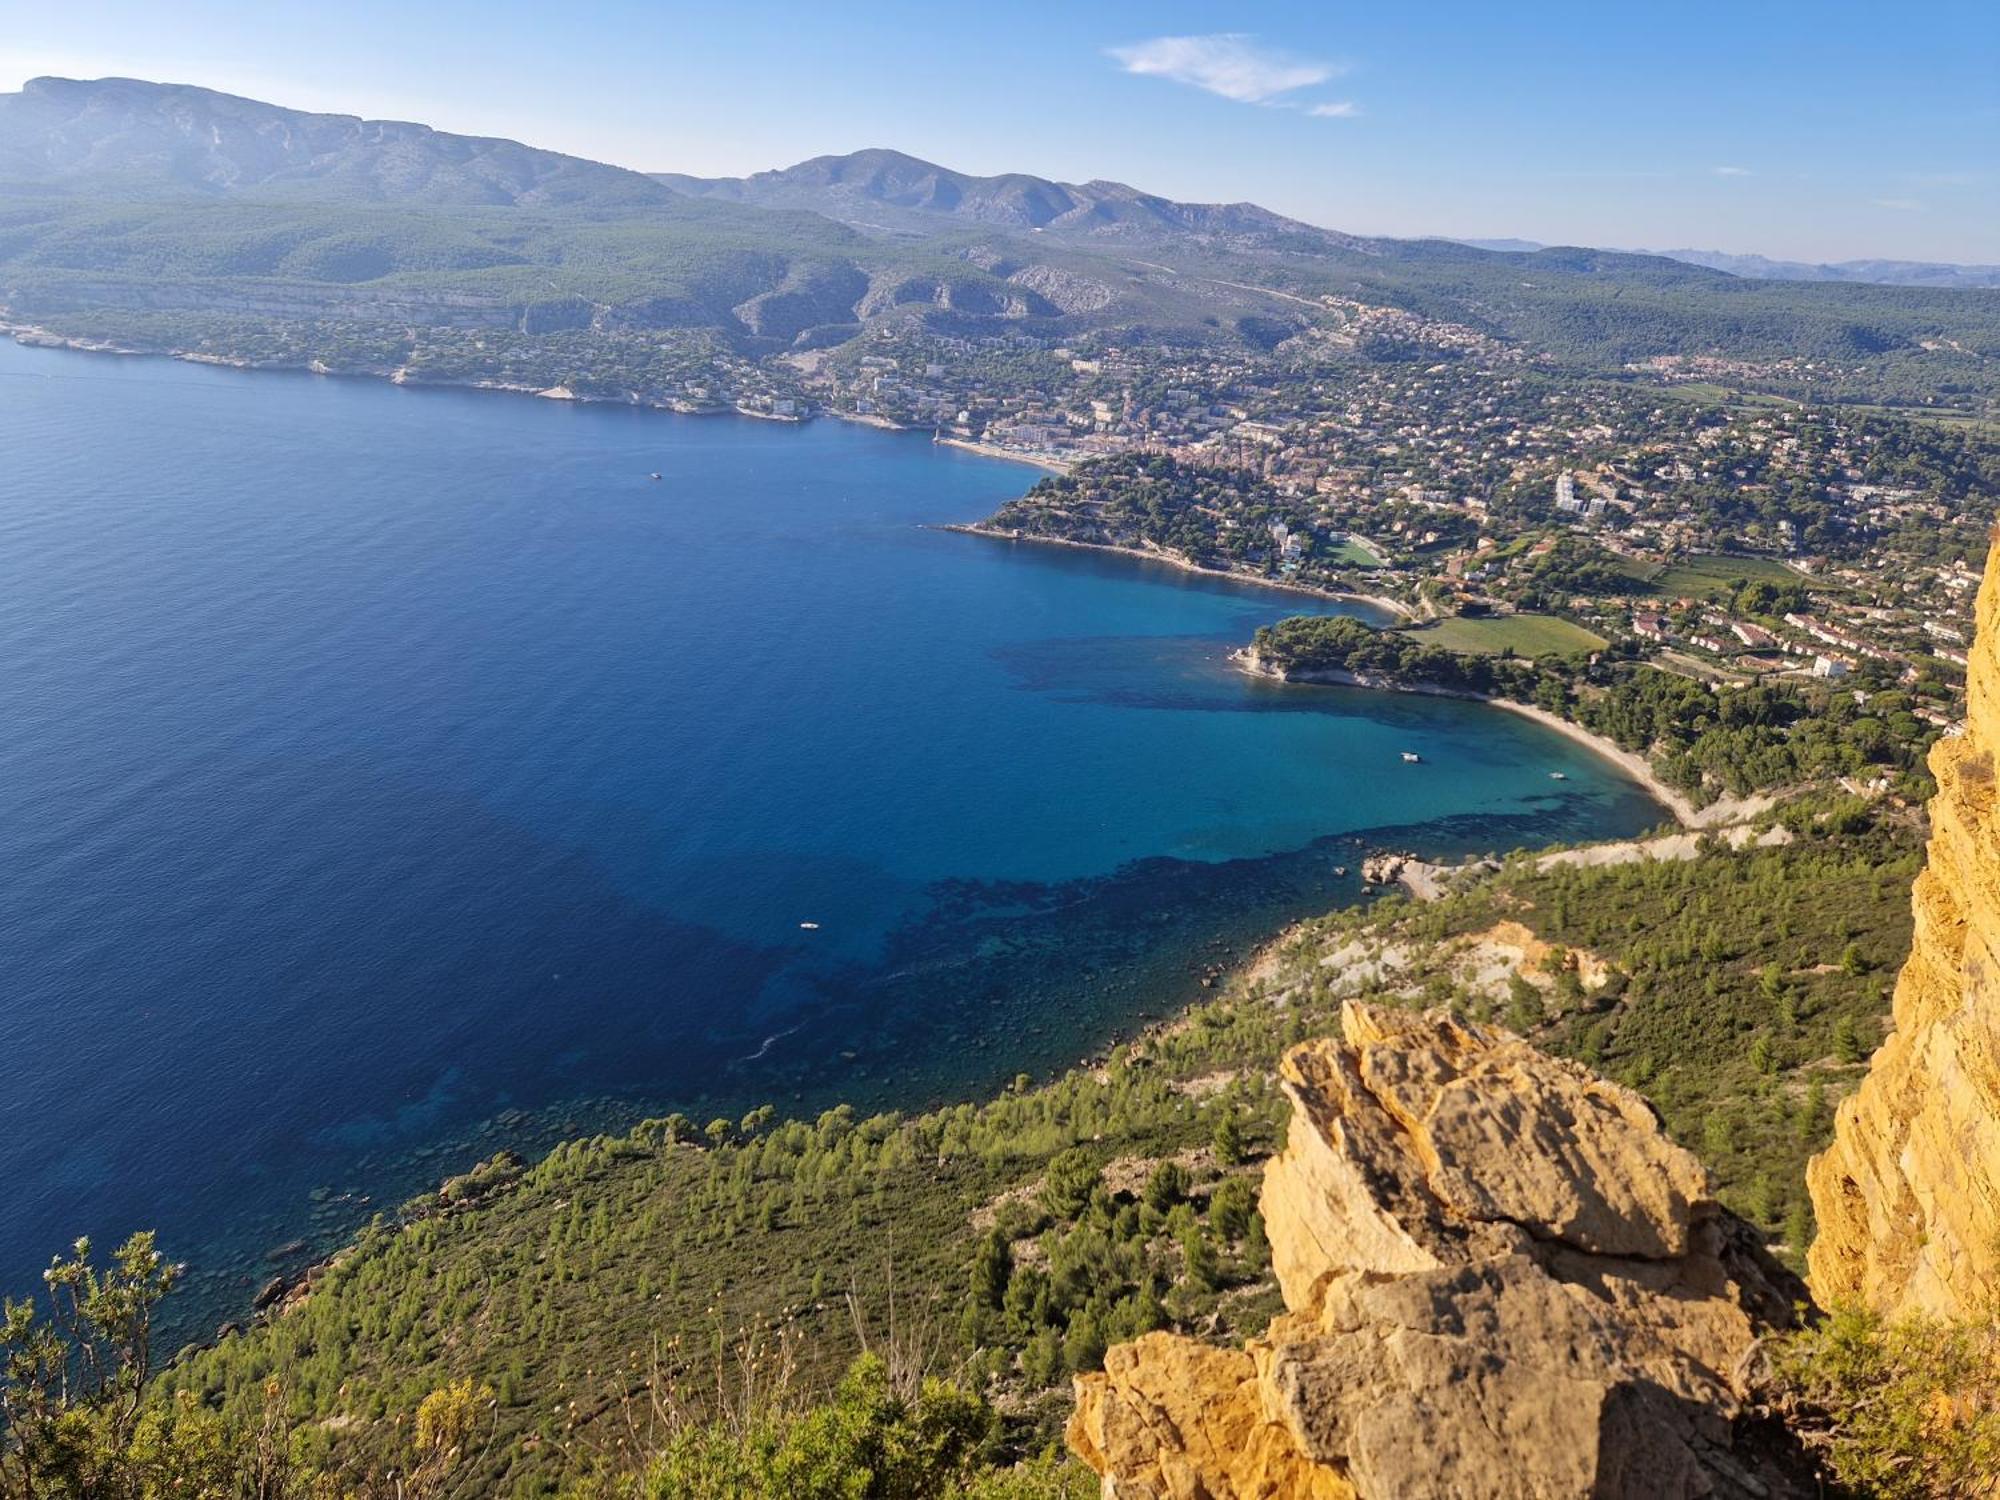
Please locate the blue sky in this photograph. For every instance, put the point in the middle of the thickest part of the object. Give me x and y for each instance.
(1817, 132)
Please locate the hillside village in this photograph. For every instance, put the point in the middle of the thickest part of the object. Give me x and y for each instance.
(1728, 541)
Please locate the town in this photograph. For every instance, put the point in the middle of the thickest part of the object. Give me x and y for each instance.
(1733, 542)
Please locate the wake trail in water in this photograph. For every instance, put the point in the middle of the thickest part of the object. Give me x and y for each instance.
(771, 1041)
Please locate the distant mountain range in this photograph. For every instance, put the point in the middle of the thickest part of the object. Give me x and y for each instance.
(1871, 272)
(149, 211)
(889, 190)
(121, 133)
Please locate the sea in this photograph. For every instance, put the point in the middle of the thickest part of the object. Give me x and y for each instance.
(389, 776)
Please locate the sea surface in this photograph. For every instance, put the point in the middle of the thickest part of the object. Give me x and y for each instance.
(390, 775)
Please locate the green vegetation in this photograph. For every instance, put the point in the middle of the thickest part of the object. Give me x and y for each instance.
(1903, 1411)
(1718, 985)
(1520, 635)
(1353, 555)
(1219, 518)
(76, 1424)
(1721, 577)
(882, 1434)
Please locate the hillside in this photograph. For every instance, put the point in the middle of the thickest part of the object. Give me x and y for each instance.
(620, 1267)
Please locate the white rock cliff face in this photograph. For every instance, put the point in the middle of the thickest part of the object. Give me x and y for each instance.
(1908, 1194)
(1501, 1280)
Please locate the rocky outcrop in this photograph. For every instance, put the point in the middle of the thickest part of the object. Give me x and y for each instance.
(1501, 1279)
(1908, 1194)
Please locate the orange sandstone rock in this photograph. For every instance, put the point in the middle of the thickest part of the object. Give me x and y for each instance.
(1503, 1280)
(1908, 1194)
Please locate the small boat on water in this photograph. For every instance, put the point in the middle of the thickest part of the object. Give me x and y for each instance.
(654, 476)
(810, 926)
(1411, 757)
(1558, 776)
(1340, 872)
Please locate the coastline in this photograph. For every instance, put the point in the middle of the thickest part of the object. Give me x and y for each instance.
(35, 337)
(1048, 464)
(1724, 810)
(1173, 560)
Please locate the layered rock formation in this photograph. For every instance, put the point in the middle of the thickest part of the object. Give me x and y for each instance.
(1908, 1195)
(1501, 1280)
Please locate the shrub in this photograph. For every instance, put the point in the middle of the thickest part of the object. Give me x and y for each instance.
(1906, 1410)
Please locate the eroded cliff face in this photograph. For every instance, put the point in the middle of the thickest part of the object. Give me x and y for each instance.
(1908, 1195)
(1501, 1280)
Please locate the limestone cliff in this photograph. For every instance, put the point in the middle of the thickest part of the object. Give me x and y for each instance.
(1908, 1195)
(1501, 1280)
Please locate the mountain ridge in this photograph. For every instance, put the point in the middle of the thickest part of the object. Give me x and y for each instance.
(880, 180)
(69, 133)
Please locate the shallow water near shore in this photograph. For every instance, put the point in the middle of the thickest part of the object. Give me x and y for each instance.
(388, 775)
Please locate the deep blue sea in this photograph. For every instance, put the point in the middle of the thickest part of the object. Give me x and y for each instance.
(389, 775)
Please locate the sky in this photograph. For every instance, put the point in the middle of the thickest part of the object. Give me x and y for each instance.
(1816, 132)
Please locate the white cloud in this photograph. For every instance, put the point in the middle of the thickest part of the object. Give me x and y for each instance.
(1733, 172)
(1343, 109)
(1900, 205)
(1229, 63)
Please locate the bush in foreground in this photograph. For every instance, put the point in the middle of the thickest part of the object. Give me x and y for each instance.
(1906, 1410)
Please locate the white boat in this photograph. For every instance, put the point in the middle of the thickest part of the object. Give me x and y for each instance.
(1558, 776)
(1411, 756)
(655, 477)
(810, 926)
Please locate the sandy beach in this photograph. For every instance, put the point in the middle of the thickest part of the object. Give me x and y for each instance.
(1047, 464)
(1717, 814)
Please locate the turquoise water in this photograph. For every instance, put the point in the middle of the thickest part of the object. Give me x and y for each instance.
(387, 775)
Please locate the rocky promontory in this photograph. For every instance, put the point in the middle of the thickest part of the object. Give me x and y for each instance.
(1501, 1279)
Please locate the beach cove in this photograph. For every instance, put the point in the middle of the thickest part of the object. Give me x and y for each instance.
(398, 774)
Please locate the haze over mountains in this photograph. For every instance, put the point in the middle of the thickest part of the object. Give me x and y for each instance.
(1876, 272)
(142, 209)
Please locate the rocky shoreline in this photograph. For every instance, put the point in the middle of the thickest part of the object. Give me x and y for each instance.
(1176, 561)
(36, 337)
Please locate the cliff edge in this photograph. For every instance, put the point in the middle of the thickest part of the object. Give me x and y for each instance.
(1908, 1194)
(1501, 1279)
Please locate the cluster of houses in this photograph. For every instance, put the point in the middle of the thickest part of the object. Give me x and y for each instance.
(1447, 456)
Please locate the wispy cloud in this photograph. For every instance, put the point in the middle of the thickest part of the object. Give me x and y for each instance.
(1900, 205)
(1232, 64)
(1342, 109)
(1733, 172)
